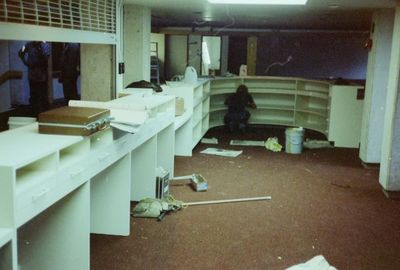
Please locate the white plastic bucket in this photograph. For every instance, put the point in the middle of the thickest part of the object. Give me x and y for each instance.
(17, 121)
(294, 140)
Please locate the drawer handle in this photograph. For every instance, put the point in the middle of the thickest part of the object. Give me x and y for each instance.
(103, 156)
(76, 172)
(40, 194)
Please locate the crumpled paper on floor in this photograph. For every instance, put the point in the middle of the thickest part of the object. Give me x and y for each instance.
(273, 144)
(316, 263)
(209, 140)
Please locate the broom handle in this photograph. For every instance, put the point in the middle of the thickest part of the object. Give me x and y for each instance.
(230, 200)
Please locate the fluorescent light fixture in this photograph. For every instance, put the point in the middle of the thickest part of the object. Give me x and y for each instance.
(260, 2)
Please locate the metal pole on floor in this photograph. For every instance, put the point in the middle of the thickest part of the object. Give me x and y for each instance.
(230, 201)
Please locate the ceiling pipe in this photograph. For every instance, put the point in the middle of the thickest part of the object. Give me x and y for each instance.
(213, 30)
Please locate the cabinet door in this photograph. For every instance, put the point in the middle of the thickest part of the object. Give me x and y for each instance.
(345, 116)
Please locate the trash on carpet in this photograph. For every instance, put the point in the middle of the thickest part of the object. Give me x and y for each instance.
(221, 152)
(273, 144)
(247, 143)
(316, 263)
(198, 182)
(156, 208)
(209, 140)
(315, 144)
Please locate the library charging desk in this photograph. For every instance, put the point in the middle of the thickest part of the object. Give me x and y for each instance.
(193, 124)
(55, 190)
(333, 110)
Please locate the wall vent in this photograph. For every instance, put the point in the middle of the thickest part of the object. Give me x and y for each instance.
(88, 15)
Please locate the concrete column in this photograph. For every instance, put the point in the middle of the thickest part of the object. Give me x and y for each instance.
(251, 55)
(376, 86)
(389, 176)
(137, 28)
(97, 72)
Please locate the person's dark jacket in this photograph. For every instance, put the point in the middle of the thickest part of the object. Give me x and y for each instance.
(70, 62)
(35, 55)
(238, 102)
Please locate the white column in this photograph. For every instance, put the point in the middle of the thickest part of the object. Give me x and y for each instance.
(137, 28)
(389, 176)
(376, 86)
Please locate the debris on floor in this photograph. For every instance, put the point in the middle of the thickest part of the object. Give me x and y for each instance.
(209, 140)
(157, 208)
(340, 185)
(273, 144)
(315, 144)
(221, 152)
(316, 263)
(247, 143)
(308, 170)
(198, 182)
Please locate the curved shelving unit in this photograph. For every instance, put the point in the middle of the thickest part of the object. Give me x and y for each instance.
(280, 101)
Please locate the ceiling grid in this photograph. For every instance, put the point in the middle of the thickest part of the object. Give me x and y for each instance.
(87, 15)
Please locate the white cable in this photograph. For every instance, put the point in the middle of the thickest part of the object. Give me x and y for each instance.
(290, 58)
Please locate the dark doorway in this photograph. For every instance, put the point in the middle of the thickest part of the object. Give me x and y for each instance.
(237, 53)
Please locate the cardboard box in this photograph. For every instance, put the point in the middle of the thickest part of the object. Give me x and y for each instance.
(80, 121)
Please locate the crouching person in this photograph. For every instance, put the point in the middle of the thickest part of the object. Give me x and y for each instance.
(237, 116)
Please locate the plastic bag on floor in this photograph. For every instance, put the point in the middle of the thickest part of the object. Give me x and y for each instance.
(316, 263)
(152, 208)
(273, 144)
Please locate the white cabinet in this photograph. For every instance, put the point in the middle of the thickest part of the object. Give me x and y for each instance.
(154, 144)
(194, 123)
(36, 184)
(55, 190)
(6, 249)
(346, 111)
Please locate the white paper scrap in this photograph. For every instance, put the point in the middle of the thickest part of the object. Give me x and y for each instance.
(221, 152)
(209, 140)
(125, 127)
(247, 143)
(316, 263)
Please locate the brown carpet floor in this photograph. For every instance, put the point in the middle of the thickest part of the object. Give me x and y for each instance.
(324, 201)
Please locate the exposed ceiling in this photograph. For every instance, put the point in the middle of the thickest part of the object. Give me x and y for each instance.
(317, 14)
